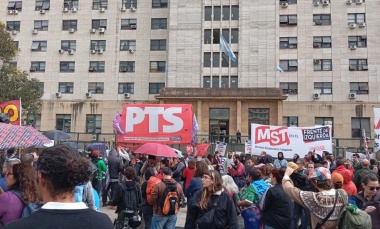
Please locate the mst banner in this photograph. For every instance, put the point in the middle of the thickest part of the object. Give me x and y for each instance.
(163, 123)
(290, 140)
(377, 128)
(13, 109)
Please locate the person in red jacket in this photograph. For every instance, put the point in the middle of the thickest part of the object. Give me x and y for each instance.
(188, 173)
(348, 184)
(237, 172)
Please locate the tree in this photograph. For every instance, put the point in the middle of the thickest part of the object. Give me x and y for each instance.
(15, 83)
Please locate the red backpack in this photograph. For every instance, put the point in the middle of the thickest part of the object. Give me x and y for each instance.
(151, 185)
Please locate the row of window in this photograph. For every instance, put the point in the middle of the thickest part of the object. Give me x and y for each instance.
(323, 19)
(212, 36)
(224, 13)
(323, 42)
(74, 4)
(291, 2)
(219, 59)
(98, 88)
(126, 24)
(220, 82)
(63, 122)
(324, 65)
(325, 88)
(97, 66)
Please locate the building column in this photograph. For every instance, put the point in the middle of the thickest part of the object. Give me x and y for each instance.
(238, 115)
(279, 113)
(199, 117)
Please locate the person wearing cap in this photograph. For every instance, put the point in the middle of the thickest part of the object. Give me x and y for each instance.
(136, 166)
(102, 169)
(319, 203)
(348, 184)
(150, 163)
(337, 180)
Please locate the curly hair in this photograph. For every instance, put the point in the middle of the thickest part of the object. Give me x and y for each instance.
(130, 173)
(206, 193)
(63, 169)
(25, 176)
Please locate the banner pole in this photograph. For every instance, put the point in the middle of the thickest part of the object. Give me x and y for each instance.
(20, 111)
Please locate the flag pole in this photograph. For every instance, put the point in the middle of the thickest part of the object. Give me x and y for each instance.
(20, 112)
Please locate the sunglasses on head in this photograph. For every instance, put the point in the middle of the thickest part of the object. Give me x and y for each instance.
(373, 188)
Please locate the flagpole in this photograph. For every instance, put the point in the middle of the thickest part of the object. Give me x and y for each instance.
(20, 112)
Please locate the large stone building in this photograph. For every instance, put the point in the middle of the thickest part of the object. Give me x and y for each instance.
(95, 55)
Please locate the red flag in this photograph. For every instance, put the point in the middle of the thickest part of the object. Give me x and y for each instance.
(201, 150)
(13, 109)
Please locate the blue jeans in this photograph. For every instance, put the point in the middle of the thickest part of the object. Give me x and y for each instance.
(164, 222)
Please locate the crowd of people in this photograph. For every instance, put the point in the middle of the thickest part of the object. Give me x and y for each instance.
(61, 188)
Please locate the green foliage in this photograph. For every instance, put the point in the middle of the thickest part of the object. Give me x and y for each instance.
(8, 50)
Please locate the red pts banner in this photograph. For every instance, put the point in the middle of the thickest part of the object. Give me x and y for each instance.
(163, 123)
(13, 109)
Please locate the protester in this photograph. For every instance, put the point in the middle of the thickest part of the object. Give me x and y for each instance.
(280, 161)
(147, 209)
(358, 174)
(8, 168)
(265, 170)
(310, 168)
(160, 220)
(216, 162)
(59, 170)
(316, 158)
(27, 158)
(237, 172)
(337, 180)
(196, 182)
(356, 162)
(265, 159)
(276, 204)
(211, 198)
(114, 169)
(135, 165)
(230, 187)
(301, 166)
(188, 173)
(250, 165)
(250, 199)
(102, 169)
(319, 203)
(150, 163)
(296, 157)
(348, 184)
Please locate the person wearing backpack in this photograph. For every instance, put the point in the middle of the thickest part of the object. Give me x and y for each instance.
(146, 193)
(127, 195)
(177, 174)
(102, 169)
(22, 191)
(166, 198)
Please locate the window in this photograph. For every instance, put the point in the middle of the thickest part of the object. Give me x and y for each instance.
(322, 42)
(16, 44)
(130, 3)
(159, 3)
(289, 65)
(358, 41)
(99, 23)
(217, 13)
(215, 82)
(94, 124)
(38, 66)
(216, 36)
(226, 13)
(234, 82)
(290, 121)
(226, 34)
(322, 19)
(13, 25)
(207, 59)
(34, 121)
(69, 24)
(288, 42)
(157, 66)
(208, 13)
(288, 20)
(15, 5)
(157, 45)
(70, 4)
(235, 64)
(289, 88)
(67, 66)
(126, 45)
(63, 122)
(234, 13)
(207, 36)
(126, 88)
(98, 45)
(356, 18)
(358, 65)
(159, 23)
(288, 1)
(96, 88)
(322, 64)
(355, 1)
(206, 82)
(323, 88)
(98, 4)
(154, 88)
(258, 115)
(324, 121)
(126, 66)
(127, 24)
(66, 88)
(359, 88)
(97, 66)
(358, 125)
(66, 45)
(215, 59)
(39, 46)
(41, 25)
(42, 5)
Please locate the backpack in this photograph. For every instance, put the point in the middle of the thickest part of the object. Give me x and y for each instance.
(30, 208)
(169, 200)
(353, 218)
(151, 185)
(132, 197)
(94, 170)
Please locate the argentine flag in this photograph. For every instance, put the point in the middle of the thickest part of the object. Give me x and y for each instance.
(226, 48)
(278, 69)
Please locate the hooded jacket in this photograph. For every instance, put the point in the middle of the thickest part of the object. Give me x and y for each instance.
(118, 199)
(280, 161)
(348, 184)
(113, 164)
(159, 191)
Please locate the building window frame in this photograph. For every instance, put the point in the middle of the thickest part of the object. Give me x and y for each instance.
(66, 87)
(69, 44)
(156, 4)
(15, 5)
(288, 20)
(69, 24)
(130, 4)
(129, 24)
(65, 124)
(355, 18)
(38, 66)
(96, 87)
(39, 46)
(157, 66)
(98, 4)
(323, 88)
(97, 66)
(259, 116)
(290, 121)
(322, 64)
(13, 25)
(42, 5)
(360, 88)
(94, 123)
(154, 88)
(126, 66)
(158, 45)
(290, 88)
(67, 66)
(126, 88)
(159, 23)
(41, 25)
(98, 45)
(288, 42)
(358, 41)
(358, 64)
(126, 45)
(322, 42)
(289, 65)
(357, 126)
(325, 121)
(99, 23)
(321, 19)
(71, 4)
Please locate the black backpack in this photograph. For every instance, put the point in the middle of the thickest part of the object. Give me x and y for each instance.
(94, 171)
(132, 197)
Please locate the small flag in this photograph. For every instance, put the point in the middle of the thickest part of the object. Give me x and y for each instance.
(117, 125)
(195, 130)
(226, 48)
(278, 69)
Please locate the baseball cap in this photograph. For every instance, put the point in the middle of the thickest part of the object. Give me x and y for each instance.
(337, 178)
(320, 173)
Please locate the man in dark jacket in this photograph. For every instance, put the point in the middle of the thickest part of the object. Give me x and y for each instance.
(147, 209)
(113, 169)
(316, 158)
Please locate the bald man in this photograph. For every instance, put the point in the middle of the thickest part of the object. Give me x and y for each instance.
(358, 174)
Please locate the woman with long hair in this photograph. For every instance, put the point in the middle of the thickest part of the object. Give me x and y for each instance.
(20, 180)
(196, 182)
(212, 207)
(230, 186)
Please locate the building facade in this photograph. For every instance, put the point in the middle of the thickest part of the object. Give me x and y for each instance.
(93, 56)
